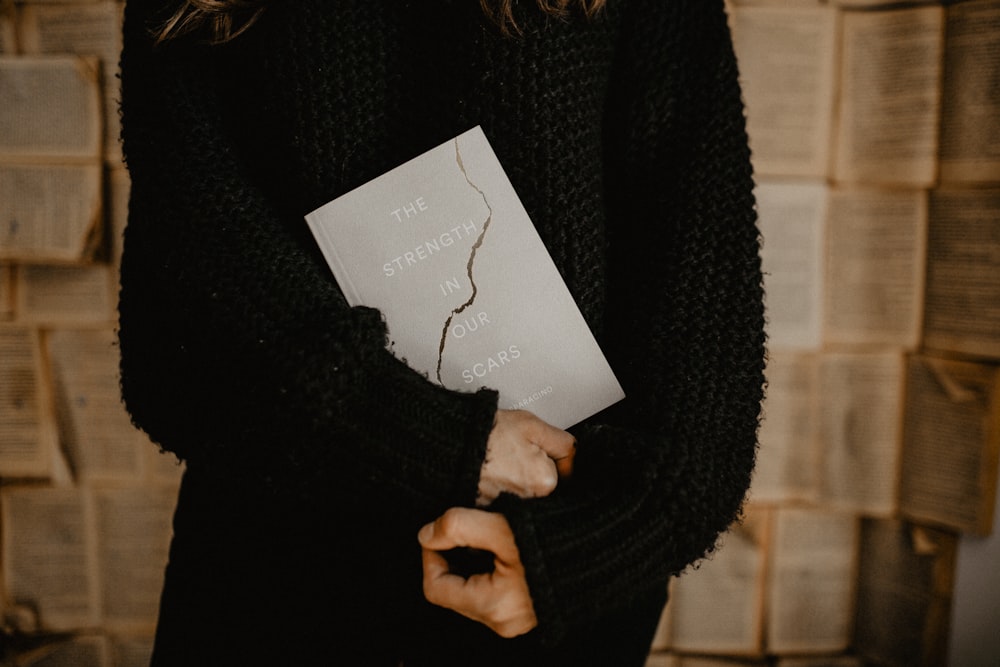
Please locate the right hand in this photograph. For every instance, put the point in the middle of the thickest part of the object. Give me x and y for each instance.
(524, 456)
(500, 599)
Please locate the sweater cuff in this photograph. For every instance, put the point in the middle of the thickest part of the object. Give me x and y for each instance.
(552, 624)
(449, 429)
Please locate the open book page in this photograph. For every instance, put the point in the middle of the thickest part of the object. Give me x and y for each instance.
(134, 529)
(95, 430)
(49, 557)
(787, 57)
(6, 291)
(662, 660)
(8, 34)
(661, 638)
(160, 466)
(27, 426)
(876, 243)
(86, 29)
(811, 579)
(970, 111)
(116, 204)
(887, 123)
(132, 650)
(792, 218)
(877, 4)
(775, 3)
(951, 444)
(735, 573)
(962, 304)
(861, 408)
(787, 460)
(821, 661)
(52, 109)
(80, 651)
(905, 581)
(53, 212)
(708, 661)
(67, 295)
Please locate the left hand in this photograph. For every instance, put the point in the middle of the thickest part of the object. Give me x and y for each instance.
(500, 600)
(525, 456)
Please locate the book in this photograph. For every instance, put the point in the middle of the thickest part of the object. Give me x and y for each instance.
(886, 122)
(735, 573)
(951, 443)
(443, 247)
(812, 564)
(962, 296)
(906, 576)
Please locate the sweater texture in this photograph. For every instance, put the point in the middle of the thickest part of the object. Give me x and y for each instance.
(313, 454)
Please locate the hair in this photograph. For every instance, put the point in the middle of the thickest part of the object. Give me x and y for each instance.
(225, 20)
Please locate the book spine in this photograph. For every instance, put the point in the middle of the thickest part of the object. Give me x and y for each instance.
(333, 260)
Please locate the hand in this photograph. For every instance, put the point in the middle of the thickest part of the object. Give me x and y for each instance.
(499, 600)
(524, 456)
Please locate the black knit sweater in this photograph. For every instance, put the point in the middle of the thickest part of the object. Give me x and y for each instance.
(624, 137)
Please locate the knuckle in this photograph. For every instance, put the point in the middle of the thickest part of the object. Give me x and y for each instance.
(449, 522)
(546, 484)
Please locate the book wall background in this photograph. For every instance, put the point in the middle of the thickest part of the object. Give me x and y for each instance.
(875, 131)
(876, 136)
(85, 499)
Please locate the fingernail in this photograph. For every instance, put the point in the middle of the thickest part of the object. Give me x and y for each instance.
(426, 533)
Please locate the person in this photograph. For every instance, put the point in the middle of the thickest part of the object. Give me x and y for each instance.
(327, 484)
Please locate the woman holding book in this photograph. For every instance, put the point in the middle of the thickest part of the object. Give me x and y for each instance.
(326, 482)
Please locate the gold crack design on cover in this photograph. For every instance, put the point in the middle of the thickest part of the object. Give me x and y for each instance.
(469, 265)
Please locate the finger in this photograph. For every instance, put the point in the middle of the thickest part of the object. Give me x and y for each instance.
(564, 465)
(448, 588)
(465, 527)
(434, 564)
(441, 587)
(541, 474)
(553, 440)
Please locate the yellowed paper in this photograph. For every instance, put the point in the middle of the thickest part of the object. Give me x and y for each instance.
(970, 114)
(904, 593)
(792, 219)
(27, 426)
(134, 529)
(67, 295)
(887, 123)
(51, 109)
(861, 408)
(49, 213)
(787, 56)
(876, 244)
(735, 573)
(95, 430)
(962, 305)
(49, 557)
(86, 29)
(811, 580)
(787, 460)
(951, 443)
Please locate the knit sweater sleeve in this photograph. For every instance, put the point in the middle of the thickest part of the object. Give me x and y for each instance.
(239, 353)
(661, 475)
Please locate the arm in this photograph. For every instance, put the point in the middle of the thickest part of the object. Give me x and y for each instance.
(658, 477)
(238, 351)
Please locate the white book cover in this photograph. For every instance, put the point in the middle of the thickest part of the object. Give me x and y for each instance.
(443, 247)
